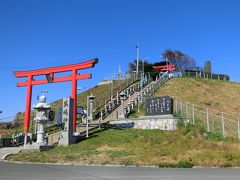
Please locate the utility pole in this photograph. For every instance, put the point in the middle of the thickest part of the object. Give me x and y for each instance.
(112, 90)
(138, 49)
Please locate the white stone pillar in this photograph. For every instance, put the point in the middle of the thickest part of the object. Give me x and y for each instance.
(122, 99)
(91, 103)
(132, 104)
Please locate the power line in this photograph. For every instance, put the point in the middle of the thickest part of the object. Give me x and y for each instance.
(1, 119)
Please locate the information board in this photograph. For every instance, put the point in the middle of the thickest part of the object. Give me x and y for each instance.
(162, 105)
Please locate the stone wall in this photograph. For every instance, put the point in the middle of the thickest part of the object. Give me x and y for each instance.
(163, 122)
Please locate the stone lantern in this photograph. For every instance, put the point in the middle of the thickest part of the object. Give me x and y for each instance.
(147, 90)
(132, 104)
(91, 101)
(110, 106)
(41, 119)
(141, 96)
(113, 103)
(106, 109)
(129, 107)
(122, 96)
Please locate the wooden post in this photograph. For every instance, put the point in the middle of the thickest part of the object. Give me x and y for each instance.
(181, 109)
(239, 128)
(193, 118)
(208, 126)
(176, 107)
(87, 117)
(187, 110)
(100, 120)
(223, 128)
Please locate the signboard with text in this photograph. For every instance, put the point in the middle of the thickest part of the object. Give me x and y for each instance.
(162, 105)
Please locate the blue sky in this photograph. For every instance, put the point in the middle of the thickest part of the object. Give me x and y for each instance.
(42, 33)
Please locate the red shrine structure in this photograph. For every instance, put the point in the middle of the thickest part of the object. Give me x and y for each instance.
(169, 68)
(49, 74)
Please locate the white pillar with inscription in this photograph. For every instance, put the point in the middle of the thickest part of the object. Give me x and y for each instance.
(66, 136)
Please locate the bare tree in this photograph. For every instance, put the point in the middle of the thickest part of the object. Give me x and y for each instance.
(142, 64)
(181, 60)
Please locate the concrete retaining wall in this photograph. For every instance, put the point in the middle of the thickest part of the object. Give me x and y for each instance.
(163, 122)
(53, 138)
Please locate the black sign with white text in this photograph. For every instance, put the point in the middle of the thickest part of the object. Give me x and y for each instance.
(162, 105)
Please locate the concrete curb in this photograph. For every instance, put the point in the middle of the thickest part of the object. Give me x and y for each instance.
(75, 164)
(110, 165)
(4, 156)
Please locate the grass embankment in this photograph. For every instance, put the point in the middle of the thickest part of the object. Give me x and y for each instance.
(215, 94)
(184, 148)
(16, 126)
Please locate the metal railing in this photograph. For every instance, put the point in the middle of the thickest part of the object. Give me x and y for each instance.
(226, 124)
(205, 75)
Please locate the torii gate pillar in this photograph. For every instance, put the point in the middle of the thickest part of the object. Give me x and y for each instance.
(49, 73)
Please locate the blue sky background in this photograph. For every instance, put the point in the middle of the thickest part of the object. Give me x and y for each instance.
(42, 33)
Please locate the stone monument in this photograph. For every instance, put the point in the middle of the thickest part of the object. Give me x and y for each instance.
(158, 115)
(66, 135)
(162, 105)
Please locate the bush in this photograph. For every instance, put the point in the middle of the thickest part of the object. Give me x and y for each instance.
(180, 164)
(214, 136)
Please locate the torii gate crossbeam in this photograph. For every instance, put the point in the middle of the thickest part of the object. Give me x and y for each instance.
(49, 73)
(169, 67)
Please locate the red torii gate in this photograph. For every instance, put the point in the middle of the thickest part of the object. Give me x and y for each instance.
(49, 73)
(169, 67)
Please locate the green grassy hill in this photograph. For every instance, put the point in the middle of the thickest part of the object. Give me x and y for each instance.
(219, 95)
(188, 146)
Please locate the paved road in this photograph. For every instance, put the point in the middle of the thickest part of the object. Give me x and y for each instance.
(9, 171)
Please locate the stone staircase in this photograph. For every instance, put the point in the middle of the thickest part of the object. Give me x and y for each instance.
(134, 92)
